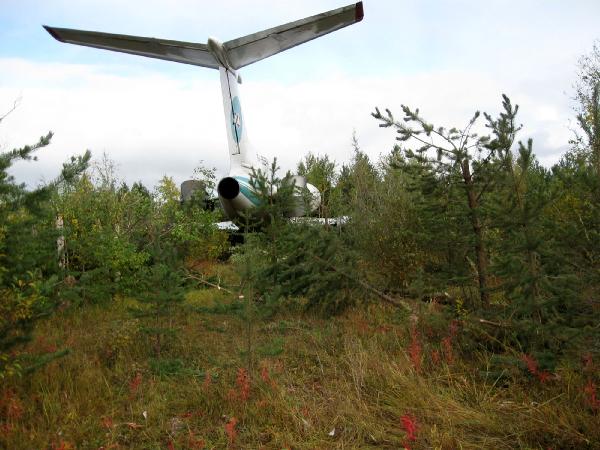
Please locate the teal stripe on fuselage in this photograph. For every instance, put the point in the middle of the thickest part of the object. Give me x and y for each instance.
(247, 190)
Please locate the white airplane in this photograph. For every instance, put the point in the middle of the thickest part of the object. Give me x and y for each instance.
(235, 191)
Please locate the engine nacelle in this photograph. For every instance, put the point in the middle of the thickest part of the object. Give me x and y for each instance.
(305, 195)
(228, 188)
(236, 194)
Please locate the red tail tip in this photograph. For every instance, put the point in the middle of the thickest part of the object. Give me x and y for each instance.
(359, 12)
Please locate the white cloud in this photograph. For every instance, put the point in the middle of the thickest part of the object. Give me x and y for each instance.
(151, 124)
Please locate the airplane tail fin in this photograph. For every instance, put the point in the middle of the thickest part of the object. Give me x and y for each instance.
(234, 54)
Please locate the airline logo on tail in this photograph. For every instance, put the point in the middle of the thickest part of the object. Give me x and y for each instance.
(236, 119)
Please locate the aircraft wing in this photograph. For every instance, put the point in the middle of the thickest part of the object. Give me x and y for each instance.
(182, 52)
(331, 221)
(227, 226)
(254, 47)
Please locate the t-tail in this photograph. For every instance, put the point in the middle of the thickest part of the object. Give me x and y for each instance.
(228, 58)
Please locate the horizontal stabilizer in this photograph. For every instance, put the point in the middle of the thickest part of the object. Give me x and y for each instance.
(182, 52)
(254, 47)
(232, 54)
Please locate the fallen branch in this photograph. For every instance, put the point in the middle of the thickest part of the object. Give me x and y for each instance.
(208, 283)
(489, 322)
(394, 301)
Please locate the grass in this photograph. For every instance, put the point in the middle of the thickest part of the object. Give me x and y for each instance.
(347, 382)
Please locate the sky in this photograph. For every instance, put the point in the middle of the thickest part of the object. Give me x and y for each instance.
(154, 118)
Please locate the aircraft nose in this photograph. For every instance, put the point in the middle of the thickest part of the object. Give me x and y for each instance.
(228, 188)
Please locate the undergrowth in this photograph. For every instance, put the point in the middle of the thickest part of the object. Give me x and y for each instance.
(371, 378)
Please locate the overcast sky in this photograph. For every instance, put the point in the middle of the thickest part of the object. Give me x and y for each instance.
(155, 118)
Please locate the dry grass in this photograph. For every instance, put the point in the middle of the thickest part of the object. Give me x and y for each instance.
(314, 384)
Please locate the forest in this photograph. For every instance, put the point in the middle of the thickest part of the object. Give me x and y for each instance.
(457, 308)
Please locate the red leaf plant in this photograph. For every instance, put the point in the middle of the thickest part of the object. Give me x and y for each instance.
(447, 345)
(243, 384)
(410, 426)
(533, 368)
(231, 431)
(449, 340)
(435, 357)
(264, 375)
(134, 384)
(62, 445)
(207, 381)
(591, 395)
(194, 442)
(415, 349)
(107, 422)
(11, 406)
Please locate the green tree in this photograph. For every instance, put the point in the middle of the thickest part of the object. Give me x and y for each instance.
(285, 260)
(106, 230)
(167, 199)
(521, 194)
(575, 213)
(320, 172)
(462, 159)
(341, 193)
(587, 109)
(28, 255)
(189, 225)
(158, 288)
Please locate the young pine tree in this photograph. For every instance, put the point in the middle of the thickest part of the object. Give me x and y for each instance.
(159, 289)
(461, 159)
(284, 260)
(28, 256)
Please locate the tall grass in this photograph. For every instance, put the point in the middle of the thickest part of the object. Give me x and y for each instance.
(348, 382)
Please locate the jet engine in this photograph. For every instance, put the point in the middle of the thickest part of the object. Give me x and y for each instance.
(236, 194)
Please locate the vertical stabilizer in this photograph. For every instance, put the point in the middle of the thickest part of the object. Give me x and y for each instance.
(237, 136)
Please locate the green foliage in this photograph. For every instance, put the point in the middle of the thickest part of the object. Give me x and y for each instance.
(320, 172)
(105, 232)
(465, 165)
(169, 367)
(505, 252)
(111, 231)
(587, 109)
(28, 258)
(284, 260)
(159, 288)
(21, 304)
(380, 200)
(189, 226)
(476, 209)
(194, 233)
(312, 263)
